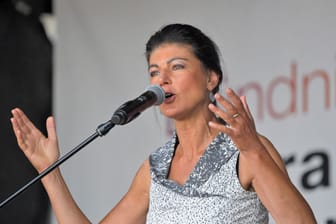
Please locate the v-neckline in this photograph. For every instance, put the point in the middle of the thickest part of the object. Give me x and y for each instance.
(192, 170)
(218, 152)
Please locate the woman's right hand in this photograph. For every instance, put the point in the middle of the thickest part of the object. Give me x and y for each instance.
(41, 151)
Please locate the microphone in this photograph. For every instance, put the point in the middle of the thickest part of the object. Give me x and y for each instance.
(154, 95)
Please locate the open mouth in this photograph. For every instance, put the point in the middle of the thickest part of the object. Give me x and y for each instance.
(168, 95)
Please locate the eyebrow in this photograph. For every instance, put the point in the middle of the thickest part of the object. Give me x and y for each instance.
(168, 62)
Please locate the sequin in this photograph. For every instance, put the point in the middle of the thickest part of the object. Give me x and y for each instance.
(212, 193)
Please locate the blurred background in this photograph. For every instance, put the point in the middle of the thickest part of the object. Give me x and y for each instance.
(26, 70)
(79, 60)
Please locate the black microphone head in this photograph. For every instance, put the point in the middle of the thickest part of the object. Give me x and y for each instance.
(159, 93)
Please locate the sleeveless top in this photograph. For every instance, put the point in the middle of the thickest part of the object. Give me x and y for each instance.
(212, 193)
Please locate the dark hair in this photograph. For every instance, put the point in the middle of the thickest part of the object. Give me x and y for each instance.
(203, 47)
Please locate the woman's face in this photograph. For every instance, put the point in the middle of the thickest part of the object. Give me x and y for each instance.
(186, 82)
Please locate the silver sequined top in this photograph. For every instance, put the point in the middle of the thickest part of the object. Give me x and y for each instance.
(212, 194)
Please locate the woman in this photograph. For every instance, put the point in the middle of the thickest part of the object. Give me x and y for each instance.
(210, 171)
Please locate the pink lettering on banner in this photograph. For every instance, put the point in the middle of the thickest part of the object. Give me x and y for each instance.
(307, 79)
(264, 98)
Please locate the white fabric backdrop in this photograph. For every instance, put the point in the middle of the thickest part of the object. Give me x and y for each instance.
(100, 64)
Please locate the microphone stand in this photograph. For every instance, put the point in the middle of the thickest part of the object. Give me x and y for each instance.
(101, 130)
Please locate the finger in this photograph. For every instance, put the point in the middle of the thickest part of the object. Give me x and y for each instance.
(24, 129)
(220, 113)
(22, 120)
(18, 134)
(246, 107)
(18, 127)
(51, 129)
(227, 105)
(235, 99)
(221, 127)
(16, 123)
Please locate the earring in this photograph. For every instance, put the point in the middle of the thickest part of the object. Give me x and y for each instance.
(212, 97)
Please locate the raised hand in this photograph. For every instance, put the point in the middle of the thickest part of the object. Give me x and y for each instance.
(41, 151)
(240, 124)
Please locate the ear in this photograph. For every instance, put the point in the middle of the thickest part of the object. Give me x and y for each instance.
(213, 80)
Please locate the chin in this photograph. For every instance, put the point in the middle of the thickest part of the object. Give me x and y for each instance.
(169, 113)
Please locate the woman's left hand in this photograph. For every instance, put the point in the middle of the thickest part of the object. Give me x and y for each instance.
(240, 123)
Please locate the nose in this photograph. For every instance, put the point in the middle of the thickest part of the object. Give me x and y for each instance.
(162, 79)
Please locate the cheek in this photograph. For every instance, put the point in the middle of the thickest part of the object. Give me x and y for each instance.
(154, 81)
(195, 83)
(194, 90)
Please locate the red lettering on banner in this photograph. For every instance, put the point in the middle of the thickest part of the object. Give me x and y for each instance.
(265, 102)
(291, 83)
(307, 80)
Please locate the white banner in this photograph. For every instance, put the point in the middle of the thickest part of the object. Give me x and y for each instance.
(281, 54)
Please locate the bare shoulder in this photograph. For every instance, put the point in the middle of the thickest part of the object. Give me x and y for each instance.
(141, 181)
(273, 152)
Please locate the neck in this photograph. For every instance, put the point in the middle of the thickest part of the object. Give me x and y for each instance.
(194, 136)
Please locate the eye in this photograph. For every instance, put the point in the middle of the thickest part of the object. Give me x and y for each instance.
(154, 73)
(177, 67)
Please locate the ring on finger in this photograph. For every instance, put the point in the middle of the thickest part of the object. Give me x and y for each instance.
(235, 115)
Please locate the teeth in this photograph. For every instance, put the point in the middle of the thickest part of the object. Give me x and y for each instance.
(168, 95)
